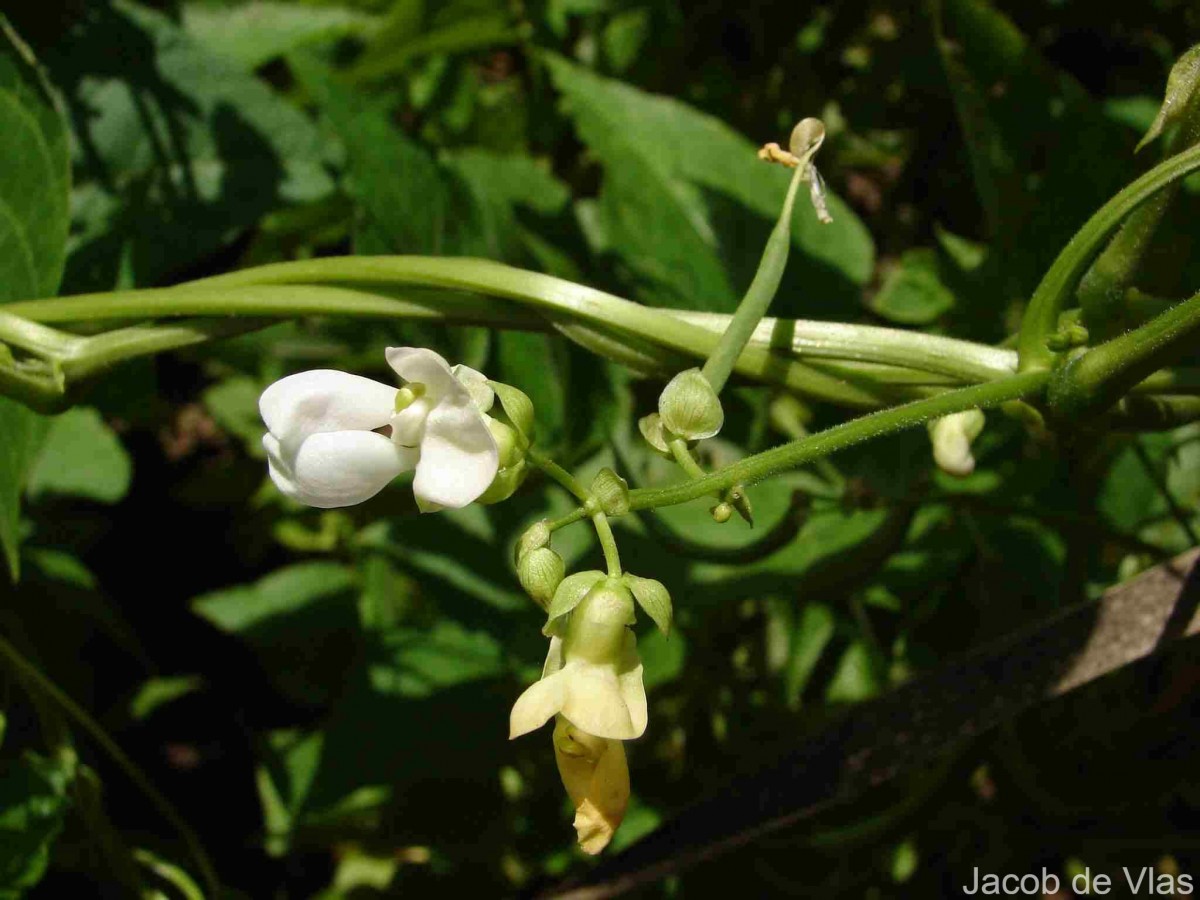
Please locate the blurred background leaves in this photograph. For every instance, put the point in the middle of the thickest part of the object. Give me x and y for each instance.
(324, 693)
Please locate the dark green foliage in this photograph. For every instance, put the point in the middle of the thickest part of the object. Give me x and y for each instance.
(324, 693)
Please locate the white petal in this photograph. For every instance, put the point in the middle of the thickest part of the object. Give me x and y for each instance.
(341, 468)
(324, 400)
(281, 472)
(425, 367)
(633, 690)
(477, 386)
(459, 457)
(594, 701)
(554, 658)
(536, 705)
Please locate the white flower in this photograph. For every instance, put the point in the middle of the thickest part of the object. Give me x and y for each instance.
(592, 676)
(325, 448)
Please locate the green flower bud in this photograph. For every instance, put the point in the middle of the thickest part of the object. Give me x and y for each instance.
(611, 491)
(508, 442)
(505, 484)
(721, 513)
(690, 408)
(541, 572)
(535, 537)
(517, 407)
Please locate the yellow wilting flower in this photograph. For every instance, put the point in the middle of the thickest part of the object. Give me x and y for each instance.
(596, 776)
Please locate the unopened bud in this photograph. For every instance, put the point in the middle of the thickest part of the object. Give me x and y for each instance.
(508, 442)
(541, 572)
(611, 492)
(505, 484)
(721, 513)
(534, 537)
(951, 437)
(517, 407)
(690, 408)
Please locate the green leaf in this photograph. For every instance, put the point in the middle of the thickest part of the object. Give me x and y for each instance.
(284, 781)
(158, 692)
(35, 176)
(416, 663)
(394, 179)
(912, 293)
(23, 431)
(854, 680)
(260, 606)
(662, 657)
(261, 31)
(660, 157)
(529, 362)
(233, 404)
(302, 621)
(811, 636)
(184, 149)
(396, 45)
(504, 188)
(81, 457)
(33, 799)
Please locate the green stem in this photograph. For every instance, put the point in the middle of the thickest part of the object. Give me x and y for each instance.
(569, 519)
(1048, 300)
(683, 456)
(771, 462)
(547, 293)
(608, 543)
(958, 359)
(758, 296)
(32, 674)
(391, 287)
(1096, 379)
(559, 474)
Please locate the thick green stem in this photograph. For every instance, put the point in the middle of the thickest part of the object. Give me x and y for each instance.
(759, 295)
(1096, 379)
(789, 456)
(1041, 317)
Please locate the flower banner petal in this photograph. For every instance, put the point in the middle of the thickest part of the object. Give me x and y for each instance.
(423, 366)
